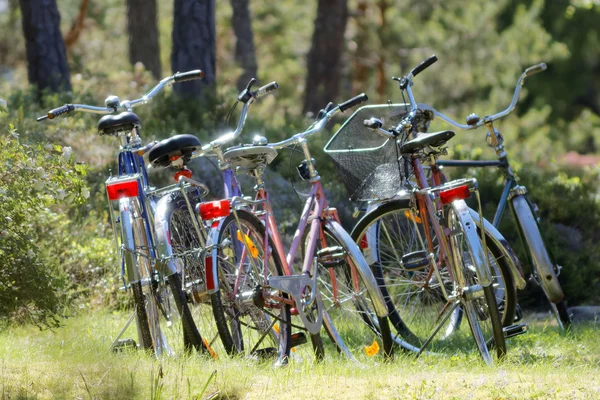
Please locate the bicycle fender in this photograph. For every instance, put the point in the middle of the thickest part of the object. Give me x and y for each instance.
(363, 268)
(474, 241)
(212, 277)
(539, 254)
(165, 263)
(501, 243)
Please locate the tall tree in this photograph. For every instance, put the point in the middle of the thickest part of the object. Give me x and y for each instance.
(323, 79)
(194, 45)
(47, 66)
(244, 45)
(143, 35)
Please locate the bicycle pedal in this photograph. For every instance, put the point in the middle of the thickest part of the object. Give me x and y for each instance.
(267, 352)
(415, 260)
(124, 344)
(331, 257)
(515, 330)
(298, 339)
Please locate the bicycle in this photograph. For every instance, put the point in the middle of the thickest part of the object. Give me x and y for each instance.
(156, 261)
(545, 271)
(423, 245)
(253, 275)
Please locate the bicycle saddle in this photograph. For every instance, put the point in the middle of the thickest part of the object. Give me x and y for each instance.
(434, 139)
(113, 124)
(183, 146)
(250, 156)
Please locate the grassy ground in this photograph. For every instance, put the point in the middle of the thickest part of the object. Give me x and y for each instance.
(73, 362)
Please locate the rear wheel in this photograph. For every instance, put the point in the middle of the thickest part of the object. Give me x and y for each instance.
(248, 323)
(393, 241)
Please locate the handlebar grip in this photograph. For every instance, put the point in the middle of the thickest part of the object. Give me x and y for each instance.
(188, 76)
(373, 123)
(535, 69)
(361, 98)
(268, 88)
(424, 65)
(60, 111)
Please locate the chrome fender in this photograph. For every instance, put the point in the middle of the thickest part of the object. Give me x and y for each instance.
(501, 243)
(539, 254)
(361, 265)
(165, 263)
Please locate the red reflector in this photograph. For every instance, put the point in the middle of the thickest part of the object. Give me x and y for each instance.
(457, 193)
(183, 172)
(119, 190)
(215, 209)
(210, 280)
(363, 242)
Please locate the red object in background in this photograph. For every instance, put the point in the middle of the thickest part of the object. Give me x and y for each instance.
(119, 190)
(183, 172)
(457, 193)
(215, 209)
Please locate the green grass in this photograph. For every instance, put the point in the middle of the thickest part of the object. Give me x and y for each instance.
(73, 362)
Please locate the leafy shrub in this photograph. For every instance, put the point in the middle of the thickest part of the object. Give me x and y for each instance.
(34, 179)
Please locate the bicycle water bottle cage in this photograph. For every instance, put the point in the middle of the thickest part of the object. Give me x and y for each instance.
(115, 124)
(175, 151)
(303, 169)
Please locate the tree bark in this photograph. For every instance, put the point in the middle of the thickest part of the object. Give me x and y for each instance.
(323, 77)
(194, 45)
(143, 35)
(47, 66)
(244, 44)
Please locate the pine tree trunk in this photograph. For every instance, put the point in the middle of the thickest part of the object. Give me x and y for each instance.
(244, 44)
(194, 45)
(143, 35)
(323, 77)
(47, 66)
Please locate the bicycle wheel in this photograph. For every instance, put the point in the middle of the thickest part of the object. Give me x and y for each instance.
(249, 324)
(414, 294)
(351, 321)
(480, 306)
(164, 321)
(187, 253)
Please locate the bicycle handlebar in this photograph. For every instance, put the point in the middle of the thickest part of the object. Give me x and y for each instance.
(320, 124)
(490, 118)
(124, 105)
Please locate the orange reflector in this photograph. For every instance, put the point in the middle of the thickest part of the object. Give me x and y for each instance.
(412, 217)
(457, 193)
(122, 189)
(215, 209)
(372, 349)
(212, 353)
(249, 243)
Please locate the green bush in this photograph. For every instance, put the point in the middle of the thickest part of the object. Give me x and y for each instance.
(34, 180)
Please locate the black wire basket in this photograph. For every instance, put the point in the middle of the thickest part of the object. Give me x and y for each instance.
(369, 164)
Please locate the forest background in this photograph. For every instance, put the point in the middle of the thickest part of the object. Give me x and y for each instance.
(56, 248)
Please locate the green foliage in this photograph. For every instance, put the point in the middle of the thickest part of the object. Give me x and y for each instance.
(34, 178)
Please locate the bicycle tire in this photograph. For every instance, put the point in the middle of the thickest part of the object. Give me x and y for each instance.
(232, 317)
(385, 266)
(464, 250)
(352, 334)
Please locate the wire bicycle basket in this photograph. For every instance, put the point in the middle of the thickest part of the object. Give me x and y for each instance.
(369, 164)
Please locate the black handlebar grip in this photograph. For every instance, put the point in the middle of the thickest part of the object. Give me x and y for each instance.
(60, 111)
(373, 123)
(361, 98)
(535, 69)
(424, 65)
(188, 76)
(268, 88)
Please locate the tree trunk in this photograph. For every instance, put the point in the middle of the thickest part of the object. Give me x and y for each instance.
(47, 66)
(143, 35)
(194, 45)
(323, 77)
(244, 43)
